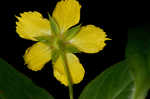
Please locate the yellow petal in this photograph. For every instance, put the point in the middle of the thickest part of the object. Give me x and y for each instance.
(90, 39)
(76, 70)
(37, 56)
(67, 13)
(32, 24)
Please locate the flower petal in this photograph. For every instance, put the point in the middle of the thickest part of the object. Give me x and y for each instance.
(76, 70)
(67, 13)
(32, 24)
(90, 39)
(37, 56)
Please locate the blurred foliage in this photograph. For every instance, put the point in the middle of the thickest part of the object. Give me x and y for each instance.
(14, 85)
(138, 59)
(114, 83)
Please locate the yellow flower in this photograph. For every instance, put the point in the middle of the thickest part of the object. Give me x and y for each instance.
(89, 39)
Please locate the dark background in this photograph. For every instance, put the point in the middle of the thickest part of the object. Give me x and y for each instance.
(114, 17)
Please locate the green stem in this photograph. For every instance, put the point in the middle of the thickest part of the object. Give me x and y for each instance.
(63, 55)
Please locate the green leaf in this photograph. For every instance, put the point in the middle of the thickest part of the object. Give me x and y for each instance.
(54, 26)
(138, 58)
(114, 83)
(14, 85)
(72, 49)
(69, 34)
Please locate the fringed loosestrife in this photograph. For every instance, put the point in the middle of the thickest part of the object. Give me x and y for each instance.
(58, 35)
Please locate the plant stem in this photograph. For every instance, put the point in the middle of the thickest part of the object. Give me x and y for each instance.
(64, 58)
